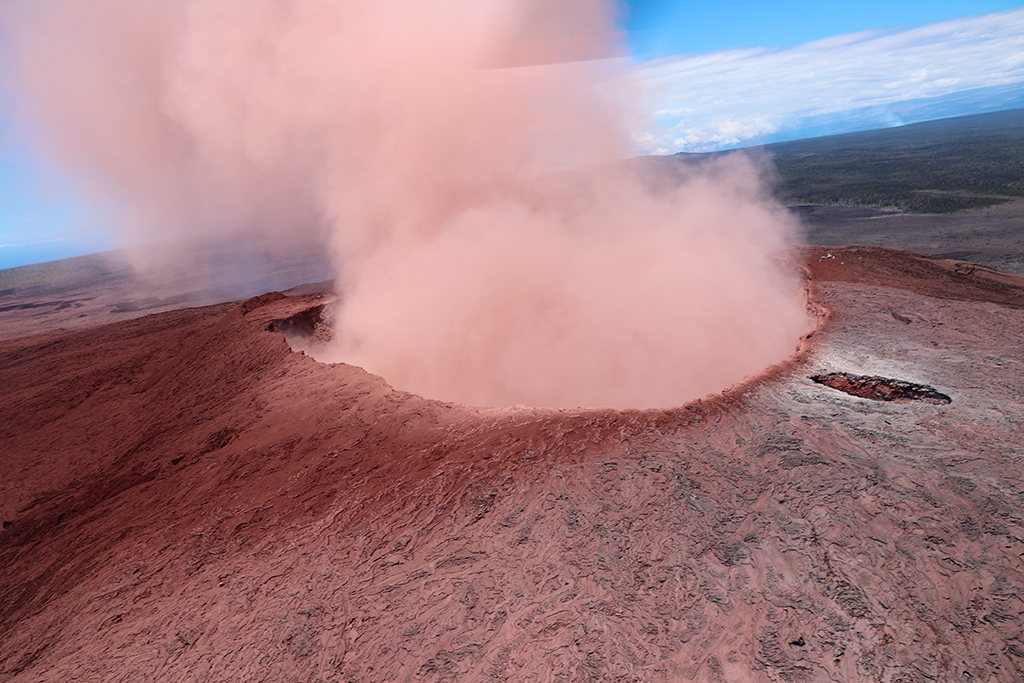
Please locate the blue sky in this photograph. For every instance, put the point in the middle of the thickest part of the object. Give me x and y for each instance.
(716, 75)
(805, 84)
(666, 27)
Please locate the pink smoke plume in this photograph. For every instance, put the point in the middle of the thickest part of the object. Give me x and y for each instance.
(460, 160)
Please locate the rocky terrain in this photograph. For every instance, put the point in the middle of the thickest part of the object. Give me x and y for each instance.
(184, 498)
(993, 236)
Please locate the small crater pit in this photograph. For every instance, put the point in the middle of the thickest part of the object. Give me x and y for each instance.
(305, 330)
(881, 388)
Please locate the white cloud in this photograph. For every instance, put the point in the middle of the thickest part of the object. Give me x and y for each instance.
(51, 241)
(718, 100)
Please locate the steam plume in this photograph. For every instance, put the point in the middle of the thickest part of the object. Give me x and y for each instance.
(458, 158)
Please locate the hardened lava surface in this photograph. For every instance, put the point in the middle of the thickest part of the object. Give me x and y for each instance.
(880, 388)
(185, 499)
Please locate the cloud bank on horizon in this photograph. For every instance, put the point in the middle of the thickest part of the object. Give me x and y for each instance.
(870, 79)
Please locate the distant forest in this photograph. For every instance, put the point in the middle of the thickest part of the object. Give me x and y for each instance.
(933, 167)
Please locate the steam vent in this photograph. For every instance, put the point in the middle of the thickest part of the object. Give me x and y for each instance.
(184, 498)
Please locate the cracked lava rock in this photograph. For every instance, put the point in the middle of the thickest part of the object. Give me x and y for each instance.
(183, 498)
(881, 388)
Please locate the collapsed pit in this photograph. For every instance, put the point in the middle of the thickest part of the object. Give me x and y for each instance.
(304, 331)
(881, 388)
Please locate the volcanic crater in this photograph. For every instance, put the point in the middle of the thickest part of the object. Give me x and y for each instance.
(185, 498)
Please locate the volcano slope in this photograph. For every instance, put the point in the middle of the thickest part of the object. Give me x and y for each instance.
(186, 499)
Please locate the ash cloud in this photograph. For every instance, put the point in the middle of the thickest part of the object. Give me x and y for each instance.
(460, 163)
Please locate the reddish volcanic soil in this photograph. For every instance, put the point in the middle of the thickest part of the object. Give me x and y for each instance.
(185, 499)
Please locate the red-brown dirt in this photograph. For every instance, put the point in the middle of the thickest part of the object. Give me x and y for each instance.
(185, 499)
